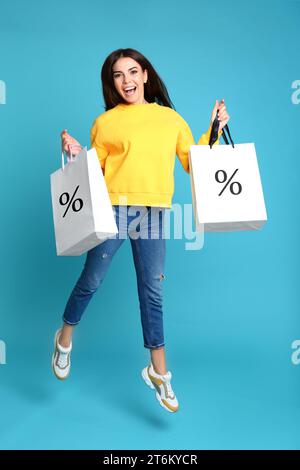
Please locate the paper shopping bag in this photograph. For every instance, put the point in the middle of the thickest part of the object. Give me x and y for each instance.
(82, 211)
(226, 188)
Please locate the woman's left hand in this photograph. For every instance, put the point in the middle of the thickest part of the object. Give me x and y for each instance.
(223, 116)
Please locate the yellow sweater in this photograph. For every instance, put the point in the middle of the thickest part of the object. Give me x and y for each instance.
(136, 145)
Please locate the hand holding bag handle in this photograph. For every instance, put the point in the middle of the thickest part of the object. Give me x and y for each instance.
(215, 130)
(70, 158)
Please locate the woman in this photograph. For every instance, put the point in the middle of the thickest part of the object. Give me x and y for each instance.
(136, 140)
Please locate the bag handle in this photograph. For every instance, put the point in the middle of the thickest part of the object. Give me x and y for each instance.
(215, 131)
(70, 158)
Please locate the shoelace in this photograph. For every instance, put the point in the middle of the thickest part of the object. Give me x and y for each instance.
(167, 380)
(170, 392)
(62, 359)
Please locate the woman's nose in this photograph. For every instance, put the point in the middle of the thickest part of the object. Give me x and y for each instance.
(125, 80)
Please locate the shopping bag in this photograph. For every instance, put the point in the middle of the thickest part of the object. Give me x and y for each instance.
(226, 187)
(82, 211)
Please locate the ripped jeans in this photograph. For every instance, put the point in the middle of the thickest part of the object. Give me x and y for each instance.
(146, 233)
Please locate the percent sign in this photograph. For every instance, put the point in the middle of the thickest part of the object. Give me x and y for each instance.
(74, 202)
(232, 184)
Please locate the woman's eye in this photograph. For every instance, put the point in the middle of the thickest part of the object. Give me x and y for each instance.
(117, 75)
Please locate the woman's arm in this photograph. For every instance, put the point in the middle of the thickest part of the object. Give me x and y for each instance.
(97, 143)
(185, 137)
(223, 117)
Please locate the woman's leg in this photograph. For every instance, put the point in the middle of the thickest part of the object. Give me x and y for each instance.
(149, 260)
(65, 337)
(96, 265)
(158, 359)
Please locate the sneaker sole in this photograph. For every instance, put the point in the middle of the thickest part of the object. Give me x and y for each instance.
(150, 384)
(52, 363)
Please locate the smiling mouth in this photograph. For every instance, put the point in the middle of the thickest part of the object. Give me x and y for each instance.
(130, 92)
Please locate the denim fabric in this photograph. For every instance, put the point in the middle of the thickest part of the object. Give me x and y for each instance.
(144, 226)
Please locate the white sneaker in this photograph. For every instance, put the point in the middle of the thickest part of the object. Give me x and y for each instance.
(61, 358)
(162, 385)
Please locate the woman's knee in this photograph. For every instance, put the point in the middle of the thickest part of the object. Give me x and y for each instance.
(153, 288)
(88, 284)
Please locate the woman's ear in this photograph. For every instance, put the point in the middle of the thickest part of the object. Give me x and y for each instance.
(145, 76)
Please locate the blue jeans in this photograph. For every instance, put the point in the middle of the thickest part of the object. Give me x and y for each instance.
(146, 233)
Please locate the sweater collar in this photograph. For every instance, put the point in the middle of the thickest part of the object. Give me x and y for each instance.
(136, 105)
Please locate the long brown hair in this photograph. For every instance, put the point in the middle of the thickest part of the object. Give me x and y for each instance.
(154, 89)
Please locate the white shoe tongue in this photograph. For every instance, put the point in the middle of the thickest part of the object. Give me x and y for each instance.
(63, 350)
(167, 376)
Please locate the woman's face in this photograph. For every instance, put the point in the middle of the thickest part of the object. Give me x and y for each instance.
(128, 74)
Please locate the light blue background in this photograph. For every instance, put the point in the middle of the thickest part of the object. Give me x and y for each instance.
(231, 309)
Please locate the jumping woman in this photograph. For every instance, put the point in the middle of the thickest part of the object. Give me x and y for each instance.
(137, 139)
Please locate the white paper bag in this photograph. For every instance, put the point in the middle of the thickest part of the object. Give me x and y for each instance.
(226, 188)
(82, 211)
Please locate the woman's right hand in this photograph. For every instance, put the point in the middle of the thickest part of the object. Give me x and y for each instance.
(69, 144)
(223, 116)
